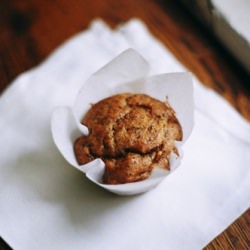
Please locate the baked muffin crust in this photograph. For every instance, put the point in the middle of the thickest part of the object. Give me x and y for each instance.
(131, 133)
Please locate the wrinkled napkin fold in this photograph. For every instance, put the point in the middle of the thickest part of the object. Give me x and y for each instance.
(46, 204)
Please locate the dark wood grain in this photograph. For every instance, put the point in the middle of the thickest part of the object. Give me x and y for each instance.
(31, 30)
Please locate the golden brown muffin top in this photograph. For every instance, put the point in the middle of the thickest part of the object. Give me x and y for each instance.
(132, 133)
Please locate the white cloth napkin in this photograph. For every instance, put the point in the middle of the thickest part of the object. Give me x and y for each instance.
(47, 204)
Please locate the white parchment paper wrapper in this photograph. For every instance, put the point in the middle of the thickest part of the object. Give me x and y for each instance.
(127, 73)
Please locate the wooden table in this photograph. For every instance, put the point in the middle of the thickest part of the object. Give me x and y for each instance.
(31, 30)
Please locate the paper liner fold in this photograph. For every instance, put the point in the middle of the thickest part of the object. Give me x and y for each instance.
(128, 72)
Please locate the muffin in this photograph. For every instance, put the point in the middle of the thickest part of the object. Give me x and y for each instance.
(132, 134)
